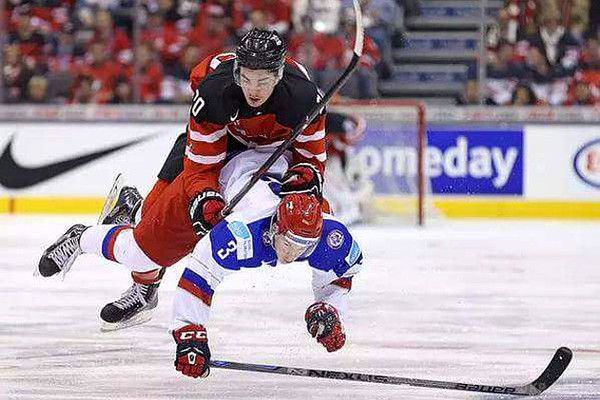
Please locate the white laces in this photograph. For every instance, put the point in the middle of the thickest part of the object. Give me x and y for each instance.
(131, 296)
(63, 255)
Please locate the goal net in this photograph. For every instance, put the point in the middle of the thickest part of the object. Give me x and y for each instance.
(390, 160)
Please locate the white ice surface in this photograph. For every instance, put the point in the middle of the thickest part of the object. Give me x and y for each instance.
(483, 302)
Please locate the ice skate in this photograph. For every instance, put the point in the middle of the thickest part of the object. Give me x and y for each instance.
(124, 209)
(133, 308)
(60, 256)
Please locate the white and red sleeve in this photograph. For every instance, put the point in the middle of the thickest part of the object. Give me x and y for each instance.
(310, 145)
(204, 156)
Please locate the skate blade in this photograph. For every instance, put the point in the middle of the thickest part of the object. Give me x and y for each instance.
(138, 319)
(112, 197)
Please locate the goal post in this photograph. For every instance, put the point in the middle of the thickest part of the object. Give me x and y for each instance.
(392, 155)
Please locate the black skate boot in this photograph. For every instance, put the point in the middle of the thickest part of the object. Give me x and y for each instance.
(124, 210)
(60, 256)
(133, 308)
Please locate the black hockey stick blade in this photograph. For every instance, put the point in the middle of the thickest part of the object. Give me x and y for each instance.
(553, 371)
(313, 113)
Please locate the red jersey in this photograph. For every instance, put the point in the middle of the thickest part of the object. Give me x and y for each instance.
(222, 123)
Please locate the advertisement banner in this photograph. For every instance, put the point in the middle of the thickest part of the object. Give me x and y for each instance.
(459, 161)
(61, 159)
(479, 161)
(563, 162)
(586, 163)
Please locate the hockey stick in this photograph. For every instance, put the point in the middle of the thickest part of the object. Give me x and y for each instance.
(112, 197)
(553, 371)
(317, 108)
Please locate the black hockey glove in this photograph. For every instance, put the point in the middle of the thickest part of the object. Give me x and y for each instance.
(302, 178)
(205, 211)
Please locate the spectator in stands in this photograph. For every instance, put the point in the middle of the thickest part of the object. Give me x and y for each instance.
(118, 43)
(176, 86)
(590, 56)
(379, 18)
(61, 57)
(48, 16)
(82, 91)
(363, 83)
(84, 28)
(539, 73)
(151, 73)
(514, 20)
(102, 69)
(278, 14)
(574, 13)
(324, 55)
(15, 74)
(214, 35)
(232, 17)
(123, 93)
(577, 29)
(590, 64)
(524, 96)
(258, 19)
(503, 74)
(37, 90)
(123, 12)
(165, 36)
(583, 93)
(31, 42)
(558, 46)
(470, 95)
(168, 9)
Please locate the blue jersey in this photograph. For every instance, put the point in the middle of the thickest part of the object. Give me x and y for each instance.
(236, 244)
(243, 240)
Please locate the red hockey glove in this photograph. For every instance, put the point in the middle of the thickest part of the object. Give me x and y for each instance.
(302, 178)
(323, 323)
(192, 357)
(205, 211)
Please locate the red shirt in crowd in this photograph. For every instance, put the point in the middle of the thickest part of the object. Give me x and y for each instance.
(328, 51)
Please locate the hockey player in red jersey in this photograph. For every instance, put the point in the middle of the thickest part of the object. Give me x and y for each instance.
(247, 100)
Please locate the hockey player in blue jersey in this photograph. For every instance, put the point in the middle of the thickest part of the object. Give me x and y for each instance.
(266, 230)
(297, 232)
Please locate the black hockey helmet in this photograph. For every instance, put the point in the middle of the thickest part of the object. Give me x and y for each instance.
(260, 49)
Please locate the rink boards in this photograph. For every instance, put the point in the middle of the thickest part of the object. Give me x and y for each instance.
(518, 171)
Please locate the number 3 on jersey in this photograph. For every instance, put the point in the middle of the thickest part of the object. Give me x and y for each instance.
(226, 251)
(197, 104)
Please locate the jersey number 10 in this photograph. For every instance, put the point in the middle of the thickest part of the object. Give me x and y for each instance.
(197, 104)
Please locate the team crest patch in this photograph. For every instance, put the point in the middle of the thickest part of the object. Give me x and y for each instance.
(266, 238)
(335, 239)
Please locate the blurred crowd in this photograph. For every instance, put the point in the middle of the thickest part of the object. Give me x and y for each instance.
(83, 51)
(539, 51)
(542, 52)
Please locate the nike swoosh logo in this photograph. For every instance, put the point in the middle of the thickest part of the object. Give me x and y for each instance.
(15, 176)
(234, 117)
